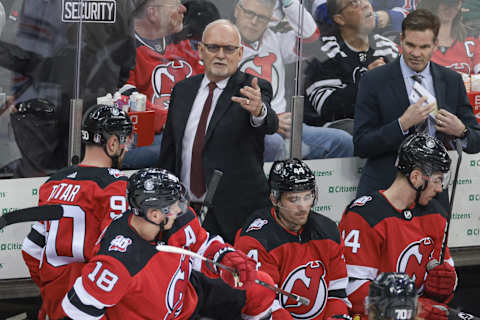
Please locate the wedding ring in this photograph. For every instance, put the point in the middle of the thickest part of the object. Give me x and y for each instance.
(248, 102)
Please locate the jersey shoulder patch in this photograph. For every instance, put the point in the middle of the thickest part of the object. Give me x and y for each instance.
(373, 208)
(123, 244)
(103, 177)
(257, 224)
(360, 202)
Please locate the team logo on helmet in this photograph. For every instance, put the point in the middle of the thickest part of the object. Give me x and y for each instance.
(257, 224)
(307, 280)
(120, 244)
(148, 185)
(430, 142)
(414, 258)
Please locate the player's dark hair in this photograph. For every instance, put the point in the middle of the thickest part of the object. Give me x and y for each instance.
(421, 20)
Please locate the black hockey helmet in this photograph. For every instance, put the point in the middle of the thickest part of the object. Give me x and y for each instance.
(392, 295)
(292, 175)
(155, 188)
(424, 152)
(102, 121)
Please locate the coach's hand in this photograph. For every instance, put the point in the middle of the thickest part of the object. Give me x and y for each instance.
(252, 100)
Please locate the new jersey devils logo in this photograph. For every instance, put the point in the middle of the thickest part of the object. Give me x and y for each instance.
(176, 287)
(165, 76)
(414, 258)
(308, 281)
(263, 67)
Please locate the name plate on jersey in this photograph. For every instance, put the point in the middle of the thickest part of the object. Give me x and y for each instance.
(91, 11)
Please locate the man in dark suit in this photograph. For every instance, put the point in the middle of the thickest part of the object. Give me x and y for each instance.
(237, 112)
(386, 113)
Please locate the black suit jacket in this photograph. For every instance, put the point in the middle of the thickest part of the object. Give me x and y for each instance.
(382, 98)
(232, 145)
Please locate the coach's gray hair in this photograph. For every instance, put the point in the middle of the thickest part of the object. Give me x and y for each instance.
(267, 3)
(224, 22)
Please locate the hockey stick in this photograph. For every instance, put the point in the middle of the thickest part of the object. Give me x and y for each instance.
(47, 212)
(172, 249)
(433, 263)
(458, 145)
(212, 187)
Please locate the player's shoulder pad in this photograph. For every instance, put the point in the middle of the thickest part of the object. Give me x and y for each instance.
(103, 177)
(262, 227)
(123, 244)
(373, 208)
(320, 227)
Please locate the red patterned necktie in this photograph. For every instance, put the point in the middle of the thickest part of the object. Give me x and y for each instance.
(197, 179)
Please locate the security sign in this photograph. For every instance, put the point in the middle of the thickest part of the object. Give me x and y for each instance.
(94, 11)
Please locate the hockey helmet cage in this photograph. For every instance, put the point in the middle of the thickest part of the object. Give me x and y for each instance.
(102, 121)
(292, 175)
(392, 295)
(424, 152)
(155, 188)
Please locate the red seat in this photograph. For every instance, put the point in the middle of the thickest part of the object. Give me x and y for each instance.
(143, 126)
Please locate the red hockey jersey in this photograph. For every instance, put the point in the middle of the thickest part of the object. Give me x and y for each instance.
(55, 251)
(379, 238)
(130, 279)
(461, 56)
(157, 71)
(310, 263)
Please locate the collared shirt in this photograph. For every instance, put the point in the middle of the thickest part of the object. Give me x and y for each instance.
(427, 82)
(192, 124)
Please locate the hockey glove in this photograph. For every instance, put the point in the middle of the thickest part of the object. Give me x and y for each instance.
(440, 282)
(259, 299)
(245, 267)
(431, 310)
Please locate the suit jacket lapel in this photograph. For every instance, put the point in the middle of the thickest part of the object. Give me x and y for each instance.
(223, 104)
(186, 105)
(438, 85)
(398, 86)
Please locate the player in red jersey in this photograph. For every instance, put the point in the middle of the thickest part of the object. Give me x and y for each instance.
(130, 279)
(92, 194)
(401, 229)
(301, 249)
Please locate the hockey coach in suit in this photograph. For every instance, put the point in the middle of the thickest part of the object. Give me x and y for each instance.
(218, 120)
(385, 114)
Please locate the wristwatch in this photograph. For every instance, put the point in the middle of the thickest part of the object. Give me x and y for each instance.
(465, 133)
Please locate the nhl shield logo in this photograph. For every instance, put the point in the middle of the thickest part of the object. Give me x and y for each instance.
(407, 214)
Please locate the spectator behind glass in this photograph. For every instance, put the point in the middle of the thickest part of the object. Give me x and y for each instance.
(455, 50)
(159, 65)
(265, 53)
(333, 74)
(388, 15)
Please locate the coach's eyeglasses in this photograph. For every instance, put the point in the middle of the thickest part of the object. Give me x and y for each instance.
(352, 3)
(252, 14)
(214, 48)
